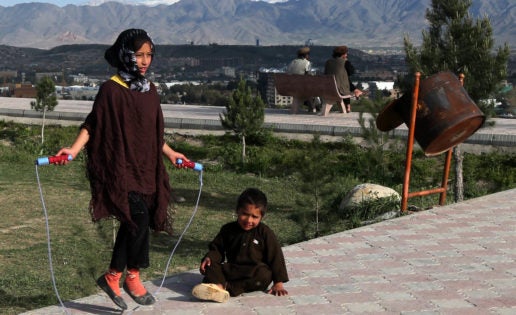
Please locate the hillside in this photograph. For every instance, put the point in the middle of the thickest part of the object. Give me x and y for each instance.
(171, 59)
(360, 24)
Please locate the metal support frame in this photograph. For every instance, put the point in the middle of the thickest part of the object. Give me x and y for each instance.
(410, 148)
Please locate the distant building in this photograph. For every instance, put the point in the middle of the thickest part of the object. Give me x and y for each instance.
(80, 78)
(382, 75)
(185, 61)
(381, 85)
(25, 91)
(229, 72)
(77, 92)
(8, 75)
(56, 76)
(6, 90)
(268, 89)
(384, 86)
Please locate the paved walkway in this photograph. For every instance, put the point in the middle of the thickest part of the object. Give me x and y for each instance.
(456, 259)
(206, 118)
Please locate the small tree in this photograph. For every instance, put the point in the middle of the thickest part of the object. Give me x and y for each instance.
(457, 42)
(46, 100)
(244, 114)
(316, 177)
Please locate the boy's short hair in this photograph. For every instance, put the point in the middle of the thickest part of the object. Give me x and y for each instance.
(252, 196)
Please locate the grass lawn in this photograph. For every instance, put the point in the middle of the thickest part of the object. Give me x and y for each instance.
(81, 249)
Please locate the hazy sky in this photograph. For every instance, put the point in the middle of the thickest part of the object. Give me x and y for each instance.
(61, 3)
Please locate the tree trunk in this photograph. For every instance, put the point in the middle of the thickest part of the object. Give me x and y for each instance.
(243, 149)
(43, 127)
(316, 211)
(458, 157)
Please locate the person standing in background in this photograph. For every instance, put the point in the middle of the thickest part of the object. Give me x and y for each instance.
(350, 69)
(337, 67)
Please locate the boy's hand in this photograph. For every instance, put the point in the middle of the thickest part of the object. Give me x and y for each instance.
(278, 289)
(206, 262)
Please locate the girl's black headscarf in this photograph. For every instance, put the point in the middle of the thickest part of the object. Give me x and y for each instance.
(122, 56)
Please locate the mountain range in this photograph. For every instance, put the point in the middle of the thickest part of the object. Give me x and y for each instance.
(356, 23)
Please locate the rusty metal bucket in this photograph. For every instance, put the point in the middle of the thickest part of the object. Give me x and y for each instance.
(445, 117)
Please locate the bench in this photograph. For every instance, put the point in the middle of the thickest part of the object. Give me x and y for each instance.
(305, 87)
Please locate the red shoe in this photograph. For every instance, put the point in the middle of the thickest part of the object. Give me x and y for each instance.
(110, 283)
(135, 288)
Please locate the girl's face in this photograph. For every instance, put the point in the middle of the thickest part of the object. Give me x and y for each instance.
(143, 58)
(249, 217)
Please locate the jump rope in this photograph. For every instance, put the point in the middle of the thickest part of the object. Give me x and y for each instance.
(58, 159)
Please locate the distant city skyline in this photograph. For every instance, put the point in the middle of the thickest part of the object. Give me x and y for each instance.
(62, 3)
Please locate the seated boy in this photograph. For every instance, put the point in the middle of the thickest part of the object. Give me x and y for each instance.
(245, 255)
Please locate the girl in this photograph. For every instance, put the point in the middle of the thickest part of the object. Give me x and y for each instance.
(123, 136)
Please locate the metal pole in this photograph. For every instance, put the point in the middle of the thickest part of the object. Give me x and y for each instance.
(410, 144)
(446, 173)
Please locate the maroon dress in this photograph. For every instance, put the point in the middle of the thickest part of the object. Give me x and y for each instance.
(124, 154)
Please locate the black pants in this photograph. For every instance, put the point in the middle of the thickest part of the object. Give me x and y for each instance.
(239, 278)
(131, 248)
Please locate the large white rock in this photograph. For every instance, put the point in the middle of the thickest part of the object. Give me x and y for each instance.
(366, 192)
